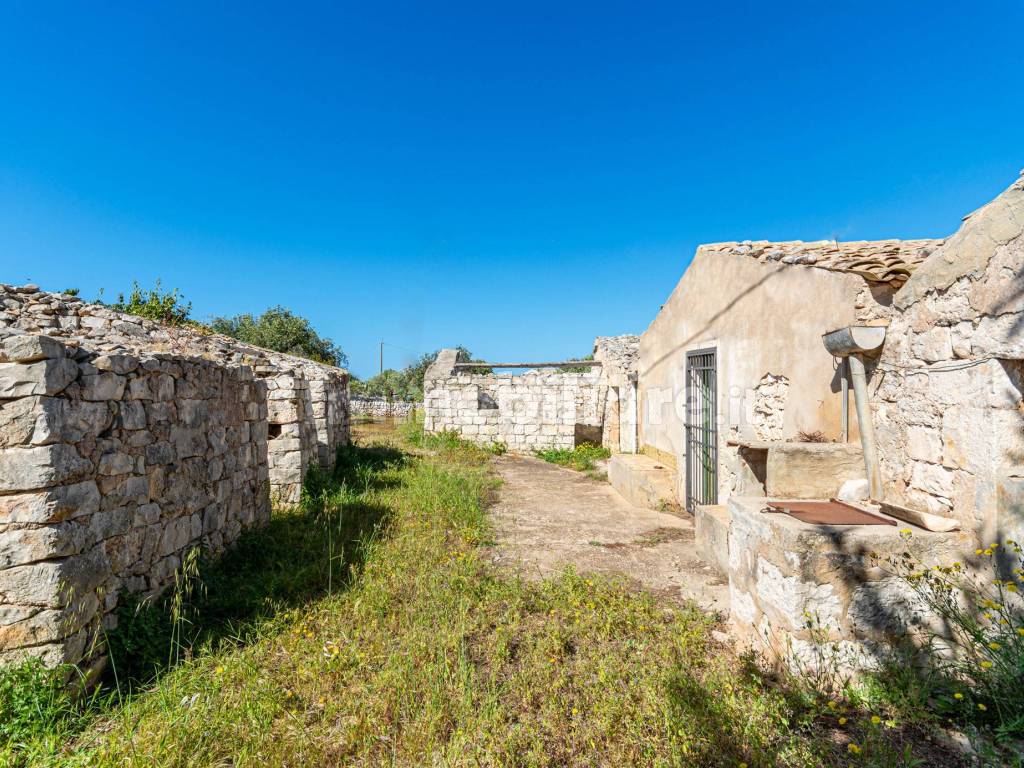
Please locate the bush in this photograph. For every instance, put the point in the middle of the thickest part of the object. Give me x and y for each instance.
(281, 330)
(168, 307)
(974, 669)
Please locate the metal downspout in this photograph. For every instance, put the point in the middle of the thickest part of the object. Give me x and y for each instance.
(858, 377)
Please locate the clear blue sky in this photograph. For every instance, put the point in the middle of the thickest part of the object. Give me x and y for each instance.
(514, 177)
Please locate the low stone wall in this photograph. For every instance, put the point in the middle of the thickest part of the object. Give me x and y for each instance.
(532, 411)
(308, 401)
(807, 594)
(112, 466)
(381, 407)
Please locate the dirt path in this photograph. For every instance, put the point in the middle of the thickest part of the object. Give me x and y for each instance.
(548, 518)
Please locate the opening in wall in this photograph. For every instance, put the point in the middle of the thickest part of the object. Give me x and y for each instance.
(273, 431)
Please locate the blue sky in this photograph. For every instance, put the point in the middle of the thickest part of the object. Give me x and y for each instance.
(517, 178)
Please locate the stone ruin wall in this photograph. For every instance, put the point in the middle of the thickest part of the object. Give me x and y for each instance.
(112, 467)
(123, 444)
(618, 356)
(532, 411)
(381, 407)
(947, 390)
(308, 401)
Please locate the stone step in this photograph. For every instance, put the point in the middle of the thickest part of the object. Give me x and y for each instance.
(712, 533)
(642, 481)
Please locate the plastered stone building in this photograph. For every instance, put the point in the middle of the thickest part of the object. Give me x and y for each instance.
(537, 409)
(737, 373)
(123, 445)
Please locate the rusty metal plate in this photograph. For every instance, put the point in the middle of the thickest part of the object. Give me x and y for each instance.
(828, 513)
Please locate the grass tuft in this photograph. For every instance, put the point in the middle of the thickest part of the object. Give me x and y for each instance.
(581, 458)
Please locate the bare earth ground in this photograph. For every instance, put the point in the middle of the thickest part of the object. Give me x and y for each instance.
(547, 518)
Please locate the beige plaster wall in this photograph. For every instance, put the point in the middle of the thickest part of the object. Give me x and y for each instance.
(762, 319)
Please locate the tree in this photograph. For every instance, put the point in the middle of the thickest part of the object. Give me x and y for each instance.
(406, 384)
(281, 330)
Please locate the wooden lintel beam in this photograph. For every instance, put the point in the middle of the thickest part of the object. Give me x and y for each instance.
(565, 364)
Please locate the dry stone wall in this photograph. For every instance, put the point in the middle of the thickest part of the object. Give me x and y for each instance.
(123, 445)
(531, 411)
(381, 407)
(309, 408)
(112, 466)
(947, 401)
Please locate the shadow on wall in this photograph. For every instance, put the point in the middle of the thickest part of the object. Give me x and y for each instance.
(699, 334)
(303, 552)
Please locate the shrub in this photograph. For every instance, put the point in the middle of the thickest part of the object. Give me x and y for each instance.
(973, 669)
(168, 307)
(281, 330)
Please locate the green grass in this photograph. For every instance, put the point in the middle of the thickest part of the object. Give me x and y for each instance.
(370, 628)
(581, 458)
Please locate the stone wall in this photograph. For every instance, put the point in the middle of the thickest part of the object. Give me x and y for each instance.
(618, 357)
(531, 411)
(947, 390)
(381, 407)
(112, 466)
(308, 401)
(811, 595)
(125, 443)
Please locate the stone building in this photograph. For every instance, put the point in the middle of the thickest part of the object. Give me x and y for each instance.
(744, 382)
(308, 410)
(123, 445)
(538, 409)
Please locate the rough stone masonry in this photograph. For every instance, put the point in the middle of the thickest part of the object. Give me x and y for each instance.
(123, 445)
(537, 409)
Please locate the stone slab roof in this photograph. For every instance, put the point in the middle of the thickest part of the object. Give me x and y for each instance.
(878, 261)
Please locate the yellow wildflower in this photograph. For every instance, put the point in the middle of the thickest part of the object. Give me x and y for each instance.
(906, 532)
(958, 696)
(853, 749)
(842, 721)
(994, 646)
(875, 719)
(988, 552)
(977, 551)
(890, 723)
(982, 707)
(1020, 631)
(986, 664)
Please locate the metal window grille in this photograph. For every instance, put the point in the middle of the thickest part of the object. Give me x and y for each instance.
(701, 429)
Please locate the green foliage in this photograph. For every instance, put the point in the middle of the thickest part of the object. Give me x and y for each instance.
(168, 307)
(70, 291)
(973, 670)
(369, 626)
(579, 368)
(32, 700)
(406, 384)
(281, 330)
(581, 458)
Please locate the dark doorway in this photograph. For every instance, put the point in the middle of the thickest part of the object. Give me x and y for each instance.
(701, 428)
